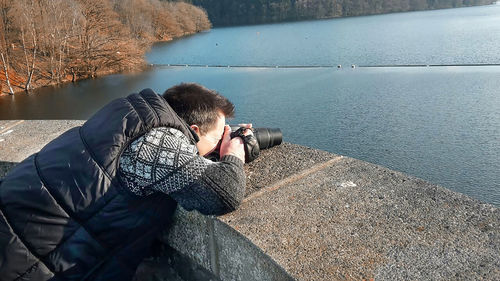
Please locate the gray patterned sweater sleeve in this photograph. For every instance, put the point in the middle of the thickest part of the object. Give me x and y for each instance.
(163, 160)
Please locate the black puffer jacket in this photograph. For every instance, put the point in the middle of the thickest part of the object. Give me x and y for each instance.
(63, 212)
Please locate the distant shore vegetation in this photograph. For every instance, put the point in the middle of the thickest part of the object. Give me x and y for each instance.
(243, 12)
(45, 42)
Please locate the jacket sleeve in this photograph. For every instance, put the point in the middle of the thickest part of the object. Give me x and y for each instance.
(163, 160)
(219, 190)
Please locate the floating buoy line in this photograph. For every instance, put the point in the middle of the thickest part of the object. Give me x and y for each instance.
(338, 66)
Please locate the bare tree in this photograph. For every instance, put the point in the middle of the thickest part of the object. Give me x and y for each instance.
(183, 16)
(59, 40)
(5, 64)
(165, 22)
(4, 42)
(57, 29)
(26, 15)
(136, 15)
(104, 42)
(200, 19)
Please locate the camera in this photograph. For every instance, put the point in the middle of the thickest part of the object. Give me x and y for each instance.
(262, 138)
(266, 137)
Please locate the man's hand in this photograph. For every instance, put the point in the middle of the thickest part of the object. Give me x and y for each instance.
(233, 146)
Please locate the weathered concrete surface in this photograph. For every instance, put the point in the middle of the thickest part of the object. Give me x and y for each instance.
(172, 266)
(218, 248)
(228, 254)
(20, 138)
(351, 220)
(325, 217)
(287, 160)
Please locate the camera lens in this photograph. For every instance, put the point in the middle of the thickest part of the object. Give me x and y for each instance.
(268, 137)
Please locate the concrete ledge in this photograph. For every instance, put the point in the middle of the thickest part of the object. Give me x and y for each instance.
(20, 138)
(355, 220)
(312, 215)
(220, 249)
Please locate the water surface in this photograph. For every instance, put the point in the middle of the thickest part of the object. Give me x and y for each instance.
(441, 124)
(453, 36)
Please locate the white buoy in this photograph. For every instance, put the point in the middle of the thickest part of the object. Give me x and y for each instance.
(353, 66)
(339, 66)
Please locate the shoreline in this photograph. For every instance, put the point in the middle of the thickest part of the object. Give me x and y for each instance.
(143, 66)
(351, 16)
(17, 89)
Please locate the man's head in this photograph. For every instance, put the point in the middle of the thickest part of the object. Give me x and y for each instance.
(204, 110)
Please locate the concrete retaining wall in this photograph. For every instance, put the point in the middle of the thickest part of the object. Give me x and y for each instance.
(312, 215)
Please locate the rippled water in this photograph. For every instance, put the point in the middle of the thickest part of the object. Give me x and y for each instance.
(454, 36)
(441, 124)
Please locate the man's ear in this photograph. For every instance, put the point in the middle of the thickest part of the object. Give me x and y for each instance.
(196, 129)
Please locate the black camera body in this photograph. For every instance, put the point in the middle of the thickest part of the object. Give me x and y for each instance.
(262, 138)
(251, 145)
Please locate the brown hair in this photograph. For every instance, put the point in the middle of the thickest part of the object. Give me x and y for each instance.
(198, 105)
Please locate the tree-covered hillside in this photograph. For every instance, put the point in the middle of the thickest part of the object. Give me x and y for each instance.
(238, 12)
(51, 41)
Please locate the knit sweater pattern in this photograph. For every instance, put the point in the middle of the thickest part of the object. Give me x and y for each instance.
(163, 160)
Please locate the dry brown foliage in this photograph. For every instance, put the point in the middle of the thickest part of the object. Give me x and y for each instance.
(51, 41)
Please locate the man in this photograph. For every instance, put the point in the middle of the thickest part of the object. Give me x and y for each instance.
(89, 204)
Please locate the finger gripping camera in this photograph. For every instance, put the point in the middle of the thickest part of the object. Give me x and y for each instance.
(262, 138)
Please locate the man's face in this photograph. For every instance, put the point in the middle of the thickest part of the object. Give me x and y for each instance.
(210, 139)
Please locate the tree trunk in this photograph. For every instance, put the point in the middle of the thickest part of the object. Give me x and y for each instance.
(6, 70)
(23, 41)
(30, 26)
(32, 69)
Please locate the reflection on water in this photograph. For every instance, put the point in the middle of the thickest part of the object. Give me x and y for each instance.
(70, 100)
(440, 124)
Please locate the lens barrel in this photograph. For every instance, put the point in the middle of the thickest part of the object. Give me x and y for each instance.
(266, 137)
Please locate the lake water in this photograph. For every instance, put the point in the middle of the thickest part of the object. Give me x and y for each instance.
(441, 124)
